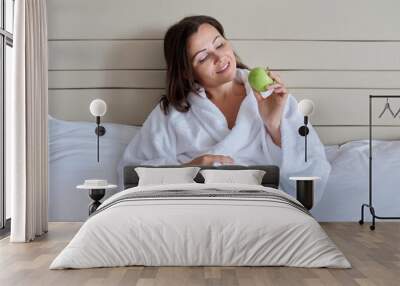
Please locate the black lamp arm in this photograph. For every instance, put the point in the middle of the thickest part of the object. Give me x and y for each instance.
(100, 131)
(303, 131)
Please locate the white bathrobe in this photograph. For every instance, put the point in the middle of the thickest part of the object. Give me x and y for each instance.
(178, 138)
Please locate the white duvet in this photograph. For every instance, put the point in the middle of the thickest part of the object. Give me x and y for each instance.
(183, 231)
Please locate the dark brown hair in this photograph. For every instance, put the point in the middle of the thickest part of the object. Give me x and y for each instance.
(180, 78)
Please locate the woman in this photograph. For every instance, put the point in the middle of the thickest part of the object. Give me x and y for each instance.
(210, 115)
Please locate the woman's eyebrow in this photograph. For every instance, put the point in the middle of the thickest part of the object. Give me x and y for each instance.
(205, 49)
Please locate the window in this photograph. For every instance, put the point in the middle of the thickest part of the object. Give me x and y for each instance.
(6, 44)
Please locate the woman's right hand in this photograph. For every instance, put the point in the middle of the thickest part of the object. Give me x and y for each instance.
(210, 160)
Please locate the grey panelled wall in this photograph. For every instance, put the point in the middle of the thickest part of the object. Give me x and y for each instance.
(333, 52)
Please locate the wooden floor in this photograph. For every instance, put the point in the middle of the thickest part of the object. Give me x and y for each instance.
(374, 255)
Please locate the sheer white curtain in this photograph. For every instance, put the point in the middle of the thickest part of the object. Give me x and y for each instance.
(26, 123)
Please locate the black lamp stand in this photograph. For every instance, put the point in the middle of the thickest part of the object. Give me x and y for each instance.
(100, 131)
(305, 193)
(303, 131)
(96, 195)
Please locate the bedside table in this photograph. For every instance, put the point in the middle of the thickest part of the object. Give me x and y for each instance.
(97, 190)
(305, 190)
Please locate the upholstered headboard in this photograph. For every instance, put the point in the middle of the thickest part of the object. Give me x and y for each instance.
(270, 179)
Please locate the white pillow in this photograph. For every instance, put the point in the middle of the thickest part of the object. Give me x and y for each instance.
(162, 176)
(248, 177)
(73, 159)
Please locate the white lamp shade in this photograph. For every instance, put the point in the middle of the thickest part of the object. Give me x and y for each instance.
(98, 107)
(306, 107)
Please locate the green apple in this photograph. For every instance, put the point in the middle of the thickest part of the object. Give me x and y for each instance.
(259, 79)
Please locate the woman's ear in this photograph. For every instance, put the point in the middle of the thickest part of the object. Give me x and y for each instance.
(188, 74)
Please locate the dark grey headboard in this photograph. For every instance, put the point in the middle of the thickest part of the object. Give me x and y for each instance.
(270, 179)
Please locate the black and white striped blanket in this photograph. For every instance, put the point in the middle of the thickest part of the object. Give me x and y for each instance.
(206, 194)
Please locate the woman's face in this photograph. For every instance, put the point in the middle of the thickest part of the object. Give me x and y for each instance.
(211, 57)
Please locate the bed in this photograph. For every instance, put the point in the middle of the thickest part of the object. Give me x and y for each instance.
(199, 224)
(72, 159)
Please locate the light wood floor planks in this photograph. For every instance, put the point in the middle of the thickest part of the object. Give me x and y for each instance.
(375, 257)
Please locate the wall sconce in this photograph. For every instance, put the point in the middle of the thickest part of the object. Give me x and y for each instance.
(98, 108)
(306, 107)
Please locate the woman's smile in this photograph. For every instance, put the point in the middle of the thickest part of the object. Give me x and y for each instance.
(224, 67)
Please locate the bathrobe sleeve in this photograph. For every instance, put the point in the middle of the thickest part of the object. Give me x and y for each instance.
(154, 145)
(290, 156)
